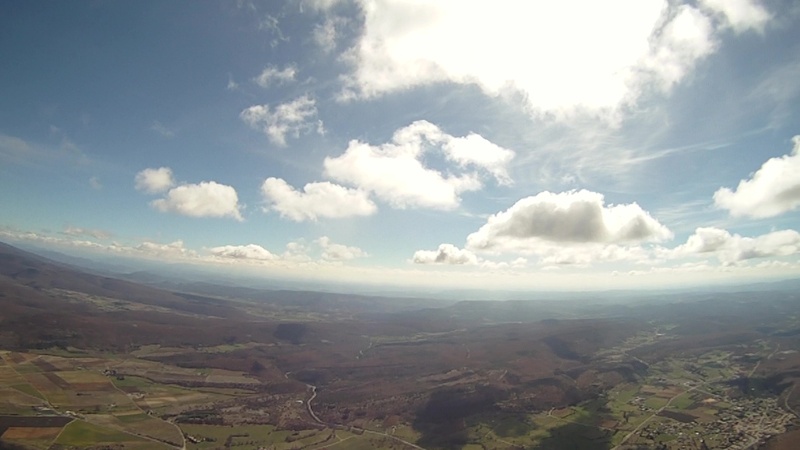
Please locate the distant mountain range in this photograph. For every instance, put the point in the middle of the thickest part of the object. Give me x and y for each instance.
(180, 276)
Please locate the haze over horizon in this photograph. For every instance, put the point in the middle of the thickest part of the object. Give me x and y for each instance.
(583, 145)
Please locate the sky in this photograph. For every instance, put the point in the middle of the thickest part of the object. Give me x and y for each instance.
(572, 145)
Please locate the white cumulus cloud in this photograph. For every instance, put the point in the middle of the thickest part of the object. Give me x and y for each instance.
(772, 190)
(287, 119)
(243, 252)
(475, 150)
(205, 199)
(317, 200)
(731, 248)
(572, 228)
(154, 181)
(445, 254)
(395, 171)
(563, 57)
(574, 217)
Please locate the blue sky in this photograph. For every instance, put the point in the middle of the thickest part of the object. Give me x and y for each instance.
(579, 145)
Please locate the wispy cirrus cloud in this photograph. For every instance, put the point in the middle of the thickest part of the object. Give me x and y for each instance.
(162, 130)
(87, 232)
(326, 35)
(95, 183)
(14, 150)
(289, 119)
(332, 251)
(271, 75)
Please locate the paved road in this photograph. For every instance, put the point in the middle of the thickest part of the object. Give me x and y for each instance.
(308, 405)
(659, 410)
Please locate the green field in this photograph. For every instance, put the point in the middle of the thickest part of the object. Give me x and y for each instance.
(251, 437)
(28, 389)
(83, 434)
(683, 401)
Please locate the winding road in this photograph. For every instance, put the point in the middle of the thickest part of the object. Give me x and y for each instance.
(333, 425)
(308, 405)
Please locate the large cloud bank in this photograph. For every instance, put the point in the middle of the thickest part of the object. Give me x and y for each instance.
(561, 56)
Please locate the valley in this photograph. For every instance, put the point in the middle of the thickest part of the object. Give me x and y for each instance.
(88, 361)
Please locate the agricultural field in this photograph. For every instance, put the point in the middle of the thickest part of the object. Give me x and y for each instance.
(139, 402)
(61, 402)
(48, 399)
(259, 436)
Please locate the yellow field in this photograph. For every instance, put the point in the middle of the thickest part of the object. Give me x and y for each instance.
(227, 376)
(83, 376)
(12, 396)
(9, 376)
